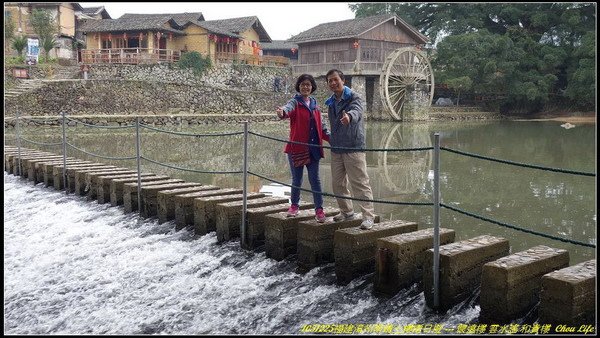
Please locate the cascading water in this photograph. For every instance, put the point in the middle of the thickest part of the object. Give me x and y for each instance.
(75, 267)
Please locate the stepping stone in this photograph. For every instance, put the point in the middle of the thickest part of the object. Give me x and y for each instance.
(281, 231)
(166, 200)
(184, 204)
(354, 248)
(510, 286)
(461, 264)
(399, 259)
(568, 296)
(229, 215)
(315, 240)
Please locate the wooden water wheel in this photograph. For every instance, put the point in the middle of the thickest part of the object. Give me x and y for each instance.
(405, 70)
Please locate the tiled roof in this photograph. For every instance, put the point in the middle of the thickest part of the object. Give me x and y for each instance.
(212, 28)
(238, 25)
(351, 29)
(180, 18)
(91, 10)
(130, 24)
(141, 22)
(278, 44)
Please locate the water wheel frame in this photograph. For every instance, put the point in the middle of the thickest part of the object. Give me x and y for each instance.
(405, 69)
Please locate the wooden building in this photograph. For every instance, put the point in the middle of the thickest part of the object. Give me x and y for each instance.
(149, 38)
(357, 47)
(281, 48)
(63, 14)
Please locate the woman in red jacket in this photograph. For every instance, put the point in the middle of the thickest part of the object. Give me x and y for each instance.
(305, 127)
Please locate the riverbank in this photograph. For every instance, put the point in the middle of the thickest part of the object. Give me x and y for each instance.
(566, 117)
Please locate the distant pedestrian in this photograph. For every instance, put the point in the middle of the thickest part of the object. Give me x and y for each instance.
(276, 83)
(285, 85)
(305, 127)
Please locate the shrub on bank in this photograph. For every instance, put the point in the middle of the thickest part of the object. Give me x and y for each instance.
(194, 60)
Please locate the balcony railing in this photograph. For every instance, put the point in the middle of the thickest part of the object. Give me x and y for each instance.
(128, 56)
(265, 60)
(348, 68)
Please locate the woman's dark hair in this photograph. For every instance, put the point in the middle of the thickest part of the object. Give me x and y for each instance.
(309, 78)
(339, 73)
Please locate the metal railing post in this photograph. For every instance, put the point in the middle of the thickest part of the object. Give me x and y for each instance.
(138, 159)
(436, 220)
(244, 185)
(64, 141)
(17, 132)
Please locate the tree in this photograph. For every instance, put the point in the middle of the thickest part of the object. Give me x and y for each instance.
(460, 84)
(19, 43)
(44, 26)
(42, 23)
(47, 43)
(9, 29)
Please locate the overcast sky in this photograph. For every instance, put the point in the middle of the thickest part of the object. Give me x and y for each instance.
(281, 20)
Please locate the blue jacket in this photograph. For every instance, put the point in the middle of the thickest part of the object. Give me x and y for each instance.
(352, 135)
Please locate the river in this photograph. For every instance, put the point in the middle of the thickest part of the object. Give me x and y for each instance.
(77, 267)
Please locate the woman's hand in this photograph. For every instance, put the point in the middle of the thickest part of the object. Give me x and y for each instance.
(280, 112)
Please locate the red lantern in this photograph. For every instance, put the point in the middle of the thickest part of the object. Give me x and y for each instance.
(141, 36)
(125, 36)
(109, 37)
(294, 50)
(158, 34)
(355, 44)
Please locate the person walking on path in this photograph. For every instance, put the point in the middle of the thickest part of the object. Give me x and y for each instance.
(345, 113)
(305, 127)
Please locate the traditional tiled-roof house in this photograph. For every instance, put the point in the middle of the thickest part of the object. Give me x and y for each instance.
(135, 38)
(356, 46)
(281, 48)
(63, 14)
(96, 13)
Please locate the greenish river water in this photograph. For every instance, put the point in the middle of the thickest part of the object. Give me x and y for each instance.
(553, 203)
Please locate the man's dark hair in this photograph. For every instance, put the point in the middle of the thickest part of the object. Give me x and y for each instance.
(339, 72)
(309, 78)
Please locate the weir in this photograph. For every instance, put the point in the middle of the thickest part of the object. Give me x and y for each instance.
(395, 251)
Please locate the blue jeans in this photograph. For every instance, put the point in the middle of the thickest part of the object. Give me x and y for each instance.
(313, 178)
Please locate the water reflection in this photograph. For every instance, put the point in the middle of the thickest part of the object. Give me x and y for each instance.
(557, 204)
(405, 172)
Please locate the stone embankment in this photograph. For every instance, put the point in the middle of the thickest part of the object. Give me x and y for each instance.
(161, 93)
(165, 94)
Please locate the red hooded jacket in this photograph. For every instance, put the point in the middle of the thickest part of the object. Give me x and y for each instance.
(299, 115)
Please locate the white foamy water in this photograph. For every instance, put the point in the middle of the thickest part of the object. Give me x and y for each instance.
(77, 267)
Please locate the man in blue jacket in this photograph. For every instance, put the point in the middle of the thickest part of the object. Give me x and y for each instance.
(345, 112)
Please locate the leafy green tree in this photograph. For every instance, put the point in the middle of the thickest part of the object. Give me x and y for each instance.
(460, 84)
(19, 43)
(47, 43)
(581, 87)
(43, 23)
(9, 28)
